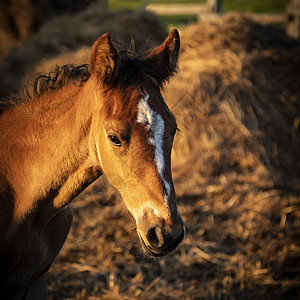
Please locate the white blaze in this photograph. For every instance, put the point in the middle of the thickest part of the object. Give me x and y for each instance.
(156, 124)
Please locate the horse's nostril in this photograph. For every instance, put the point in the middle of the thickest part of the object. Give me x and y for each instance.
(155, 236)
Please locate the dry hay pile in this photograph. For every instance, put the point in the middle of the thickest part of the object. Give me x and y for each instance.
(238, 92)
(236, 172)
(68, 33)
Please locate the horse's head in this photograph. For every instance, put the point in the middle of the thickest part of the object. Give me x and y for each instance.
(134, 137)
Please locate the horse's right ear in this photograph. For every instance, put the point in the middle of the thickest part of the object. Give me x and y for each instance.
(165, 57)
(104, 60)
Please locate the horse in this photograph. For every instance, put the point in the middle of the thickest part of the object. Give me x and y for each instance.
(75, 124)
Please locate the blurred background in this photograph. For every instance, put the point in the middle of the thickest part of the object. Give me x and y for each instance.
(235, 163)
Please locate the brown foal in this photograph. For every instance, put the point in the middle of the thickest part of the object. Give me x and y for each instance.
(77, 124)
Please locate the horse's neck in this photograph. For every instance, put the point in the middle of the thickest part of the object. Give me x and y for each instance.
(47, 151)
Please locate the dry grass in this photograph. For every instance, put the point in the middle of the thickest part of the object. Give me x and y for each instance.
(236, 172)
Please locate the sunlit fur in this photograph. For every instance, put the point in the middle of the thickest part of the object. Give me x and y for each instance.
(55, 141)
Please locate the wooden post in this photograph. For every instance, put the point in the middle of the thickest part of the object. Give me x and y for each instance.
(293, 19)
(213, 6)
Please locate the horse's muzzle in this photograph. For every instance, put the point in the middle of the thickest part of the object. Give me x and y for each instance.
(159, 242)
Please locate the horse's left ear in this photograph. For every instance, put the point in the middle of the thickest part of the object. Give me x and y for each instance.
(104, 60)
(165, 57)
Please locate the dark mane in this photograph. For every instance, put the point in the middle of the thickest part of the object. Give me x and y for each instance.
(62, 76)
(135, 68)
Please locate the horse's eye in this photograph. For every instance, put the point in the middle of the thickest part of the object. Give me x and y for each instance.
(114, 140)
